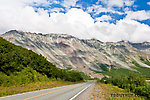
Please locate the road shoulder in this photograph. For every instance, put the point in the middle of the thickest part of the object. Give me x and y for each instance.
(86, 94)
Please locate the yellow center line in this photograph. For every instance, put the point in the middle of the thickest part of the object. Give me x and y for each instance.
(47, 93)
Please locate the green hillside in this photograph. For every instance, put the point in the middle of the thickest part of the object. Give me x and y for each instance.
(20, 66)
(129, 80)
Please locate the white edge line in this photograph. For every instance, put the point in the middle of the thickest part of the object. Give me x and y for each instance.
(80, 92)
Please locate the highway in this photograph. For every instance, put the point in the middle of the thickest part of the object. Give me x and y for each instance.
(69, 92)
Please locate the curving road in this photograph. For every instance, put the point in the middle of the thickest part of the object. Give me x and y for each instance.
(68, 92)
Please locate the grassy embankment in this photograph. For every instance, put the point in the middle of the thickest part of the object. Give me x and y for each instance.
(10, 90)
(103, 91)
(129, 80)
(22, 70)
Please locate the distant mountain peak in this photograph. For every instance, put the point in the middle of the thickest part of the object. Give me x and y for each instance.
(12, 31)
(123, 41)
(15, 32)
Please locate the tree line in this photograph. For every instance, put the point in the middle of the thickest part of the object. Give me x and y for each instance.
(132, 81)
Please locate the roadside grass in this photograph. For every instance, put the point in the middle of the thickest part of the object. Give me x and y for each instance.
(110, 92)
(5, 91)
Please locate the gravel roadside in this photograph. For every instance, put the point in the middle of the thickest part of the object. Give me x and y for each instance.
(86, 94)
(95, 92)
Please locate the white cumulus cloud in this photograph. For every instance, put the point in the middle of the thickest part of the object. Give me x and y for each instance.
(98, 9)
(17, 14)
(148, 3)
(103, 18)
(129, 2)
(69, 3)
(138, 15)
(118, 3)
(56, 10)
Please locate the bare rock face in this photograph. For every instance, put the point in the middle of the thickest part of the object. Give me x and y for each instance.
(83, 55)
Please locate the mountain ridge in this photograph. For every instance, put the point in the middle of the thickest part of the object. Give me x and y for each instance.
(80, 54)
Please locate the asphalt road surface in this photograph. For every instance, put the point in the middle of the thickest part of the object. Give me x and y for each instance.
(68, 92)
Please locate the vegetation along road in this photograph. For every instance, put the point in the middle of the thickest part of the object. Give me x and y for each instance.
(68, 92)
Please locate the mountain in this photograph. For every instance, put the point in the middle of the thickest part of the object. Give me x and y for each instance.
(20, 66)
(144, 47)
(80, 54)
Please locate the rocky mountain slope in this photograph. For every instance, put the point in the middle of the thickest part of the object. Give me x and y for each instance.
(144, 47)
(83, 55)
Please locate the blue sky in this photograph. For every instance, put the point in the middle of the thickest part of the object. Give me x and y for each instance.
(106, 20)
(131, 5)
